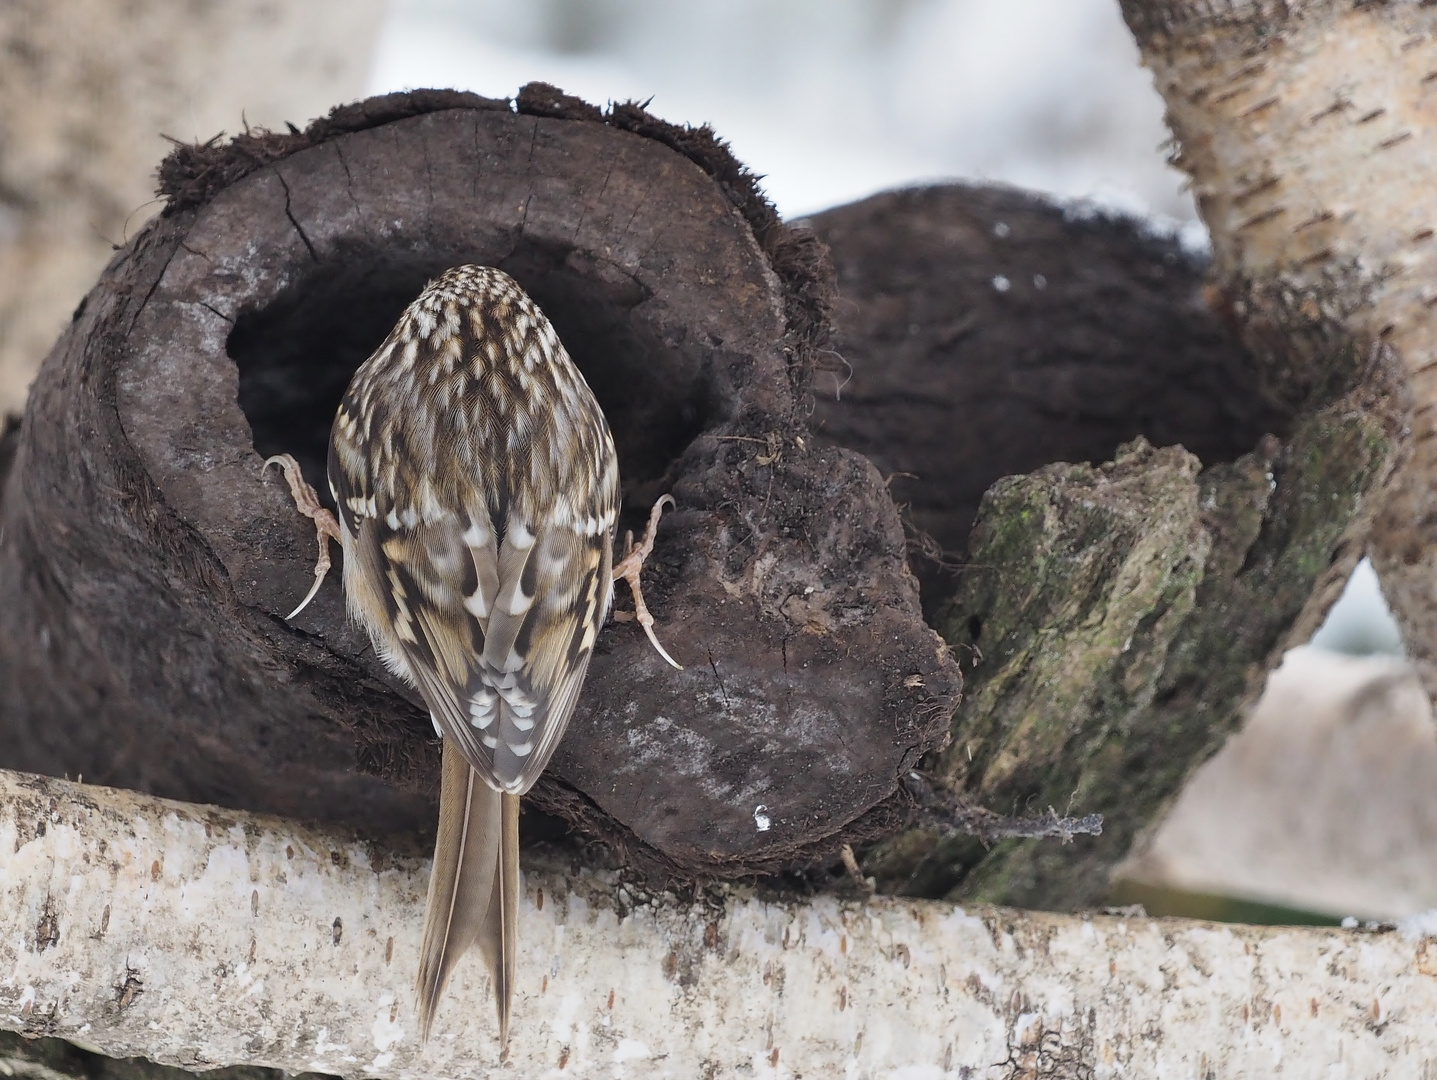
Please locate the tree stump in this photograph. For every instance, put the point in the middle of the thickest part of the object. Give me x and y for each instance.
(147, 563)
(1112, 617)
(1114, 620)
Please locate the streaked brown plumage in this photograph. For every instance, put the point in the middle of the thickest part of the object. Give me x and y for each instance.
(478, 491)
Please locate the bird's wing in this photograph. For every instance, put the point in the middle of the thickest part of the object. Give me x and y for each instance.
(478, 488)
(497, 635)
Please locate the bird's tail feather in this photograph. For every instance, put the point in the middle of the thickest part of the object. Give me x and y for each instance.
(473, 889)
(500, 938)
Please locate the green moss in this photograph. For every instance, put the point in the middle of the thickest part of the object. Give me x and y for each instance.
(1118, 616)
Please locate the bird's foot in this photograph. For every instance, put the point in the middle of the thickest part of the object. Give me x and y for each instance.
(306, 501)
(630, 566)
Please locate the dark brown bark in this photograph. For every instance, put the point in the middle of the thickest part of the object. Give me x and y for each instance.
(988, 333)
(9, 440)
(147, 564)
(1112, 618)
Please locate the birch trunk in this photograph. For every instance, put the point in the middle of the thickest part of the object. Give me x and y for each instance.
(1310, 131)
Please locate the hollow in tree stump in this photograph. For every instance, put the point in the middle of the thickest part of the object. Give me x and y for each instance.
(147, 562)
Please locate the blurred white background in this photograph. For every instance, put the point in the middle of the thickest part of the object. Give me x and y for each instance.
(832, 100)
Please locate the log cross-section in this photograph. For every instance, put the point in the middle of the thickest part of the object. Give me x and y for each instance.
(147, 562)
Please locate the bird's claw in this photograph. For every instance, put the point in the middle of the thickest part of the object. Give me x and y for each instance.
(326, 525)
(631, 565)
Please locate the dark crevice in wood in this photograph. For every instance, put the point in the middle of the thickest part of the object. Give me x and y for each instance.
(9, 441)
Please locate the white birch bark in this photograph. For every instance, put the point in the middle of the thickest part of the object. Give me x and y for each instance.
(1309, 128)
(202, 937)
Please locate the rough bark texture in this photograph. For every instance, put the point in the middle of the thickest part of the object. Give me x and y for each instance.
(1309, 130)
(987, 332)
(120, 912)
(147, 563)
(1113, 620)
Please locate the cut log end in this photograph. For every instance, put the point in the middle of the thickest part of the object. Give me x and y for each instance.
(227, 333)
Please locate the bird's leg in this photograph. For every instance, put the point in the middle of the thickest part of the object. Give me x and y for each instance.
(306, 501)
(633, 562)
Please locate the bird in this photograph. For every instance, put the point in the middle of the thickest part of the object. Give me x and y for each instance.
(476, 486)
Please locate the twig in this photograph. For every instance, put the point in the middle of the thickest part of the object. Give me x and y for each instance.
(940, 810)
(850, 863)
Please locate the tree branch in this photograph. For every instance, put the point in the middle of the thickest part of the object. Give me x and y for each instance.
(945, 812)
(199, 937)
(1307, 128)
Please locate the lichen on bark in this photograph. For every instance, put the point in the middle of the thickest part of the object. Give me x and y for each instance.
(1114, 621)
